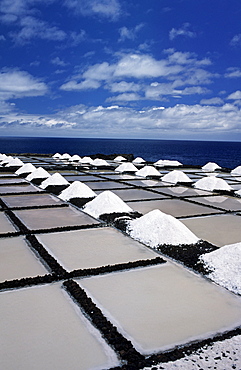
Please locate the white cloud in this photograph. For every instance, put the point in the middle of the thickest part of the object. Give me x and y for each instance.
(32, 27)
(129, 34)
(58, 62)
(18, 84)
(83, 85)
(212, 101)
(124, 86)
(233, 72)
(125, 97)
(235, 95)
(236, 40)
(183, 31)
(110, 9)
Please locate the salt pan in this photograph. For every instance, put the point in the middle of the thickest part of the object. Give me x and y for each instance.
(148, 171)
(119, 158)
(106, 202)
(210, 166)
(126, 167)
(166, 162)
(99, 162)
(212, 183)
(39, 173)
(77, 190)
(157, 228)
(176, 176)
(225, 264)
(86, 160)
(55, 179)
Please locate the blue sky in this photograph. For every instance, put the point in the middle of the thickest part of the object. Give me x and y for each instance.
(156, 69)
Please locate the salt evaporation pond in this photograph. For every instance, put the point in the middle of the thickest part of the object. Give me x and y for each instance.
(17, 260)
(224, 202)
(42, 340)
(162, 306)
(174, 207)
(94, 248)
(31, 200)
(217, 229)
(5, 225)
(18, 189)
(51, 217)
(137, 194)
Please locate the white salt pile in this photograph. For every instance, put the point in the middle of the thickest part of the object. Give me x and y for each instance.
(56, 156)
(26, 168)
(2, 156)
(148, 171)
(106, 202)
(99, 162)
(176, 176)
(77, 190)
(225, 264)
(65, 156)
(210, 166)
(236, 171)
(75, 158)
(55, 179)
(39, 173)
(15, 162)
(238, 192)
(119, 158)
(6, 160)
(138, 160)
(126, 167)
(157, 228)
(211, 183)
(86, 160)
(167, 163)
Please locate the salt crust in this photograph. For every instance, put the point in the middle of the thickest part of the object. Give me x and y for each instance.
(138, 160)
(221, 355)
(119, 158)
(77, 190)
(176, 176)
(100, 162)
(225, 264)
(148, 171)
(236, 171)
(39, 173)
(106, 202)
(126, 167)
(156, 228)
(166, 162)
(55, 179)
(212, 183)
(210, 166)
(26, 168)
(14, 162)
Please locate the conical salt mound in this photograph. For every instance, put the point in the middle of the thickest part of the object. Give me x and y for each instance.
(210, 166)
(119, 158)
(55, 179)
(236, 171)
(106, 202)
(176, 176)
(15, 162)
(225, 264)
(157, 228)
(138, 160)
(126, 167)
(100, 162)
(77, 190)
(211, 183)
(39, 173)
(148, 171)
(26, 168)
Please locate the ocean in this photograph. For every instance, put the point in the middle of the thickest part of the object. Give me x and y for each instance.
(225, 154)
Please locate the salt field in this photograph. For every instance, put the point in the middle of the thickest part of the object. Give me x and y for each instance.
(132, 276)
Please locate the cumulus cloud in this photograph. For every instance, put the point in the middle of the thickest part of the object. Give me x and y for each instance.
(233, 72)
(235, 95)
(236, 40)
(117, 121)
(18, 84)
(58, 62)
(183, 31)
(212, 101)
(129, 33)
(109, 9)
